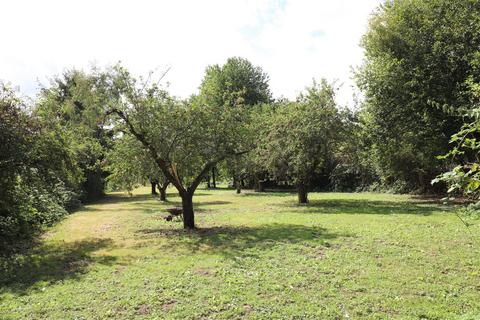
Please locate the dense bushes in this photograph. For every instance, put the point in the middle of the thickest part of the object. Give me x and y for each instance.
(51, 153)
(419, 59)
(37, 175)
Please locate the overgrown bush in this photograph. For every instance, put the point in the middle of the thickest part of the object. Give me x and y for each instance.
(37, 178)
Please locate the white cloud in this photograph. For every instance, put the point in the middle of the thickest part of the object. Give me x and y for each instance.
(293, 40)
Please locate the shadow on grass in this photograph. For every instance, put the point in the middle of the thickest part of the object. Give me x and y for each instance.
(51, 263)
(199, 207)
(125, 198)
(232, 241)
(271, 193)
(211, 203)
(436, 199)
(360, 206)
(210, 206)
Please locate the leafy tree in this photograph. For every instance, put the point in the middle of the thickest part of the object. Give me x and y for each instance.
(74, 107)
(237, 83)
(253, 165)
(130, 165)
(353, 169)
(418, 56)
(302, 137)
(186, 139)
(464, 176)
(37, 172)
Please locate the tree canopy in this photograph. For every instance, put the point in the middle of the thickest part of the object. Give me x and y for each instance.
(237, 82)
(301, 137)
(419, 56)
(186, 139)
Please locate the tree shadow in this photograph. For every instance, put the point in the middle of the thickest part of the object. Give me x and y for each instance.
(437, 199)
(119, 198)
(199, 207)
(212, 203)
(125, 198)
(360, 206)
(206, 206)
(238, 241)
(271, 193)
(122, 197)
(216, 188)
(89, 208)
(51, 263)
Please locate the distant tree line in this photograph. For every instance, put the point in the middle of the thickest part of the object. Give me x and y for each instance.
(87, 132)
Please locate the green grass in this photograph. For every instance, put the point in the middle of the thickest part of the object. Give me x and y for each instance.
(255, 256)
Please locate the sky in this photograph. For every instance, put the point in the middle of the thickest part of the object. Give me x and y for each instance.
(294, 41)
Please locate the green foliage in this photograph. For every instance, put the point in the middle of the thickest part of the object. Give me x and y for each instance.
(300, 138)
(187, 135)
(130, 165)
(186, 139)
(74, 107)
(237, 82)
(36, 172)
(354, 169)
(420, 58)
(464, 178)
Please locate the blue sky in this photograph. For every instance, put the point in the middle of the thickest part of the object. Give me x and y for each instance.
(293, 40)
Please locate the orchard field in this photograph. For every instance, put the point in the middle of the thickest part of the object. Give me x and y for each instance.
(253, 256)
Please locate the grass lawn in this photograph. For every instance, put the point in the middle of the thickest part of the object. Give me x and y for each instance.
(255, 256)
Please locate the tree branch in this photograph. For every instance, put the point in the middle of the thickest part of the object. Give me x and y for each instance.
(193, 186)
(162, 163)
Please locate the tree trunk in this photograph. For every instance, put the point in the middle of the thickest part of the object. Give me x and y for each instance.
(213, 178)
(154, 191)
(238, 186)
(259, 184)
(421, 181)
(188, 215)
(163, 193)
(302, 193)
(208, 182)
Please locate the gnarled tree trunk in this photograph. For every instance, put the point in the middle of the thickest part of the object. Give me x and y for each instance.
(187, 206)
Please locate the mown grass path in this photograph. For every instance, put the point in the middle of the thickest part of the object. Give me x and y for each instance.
(255, 256)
